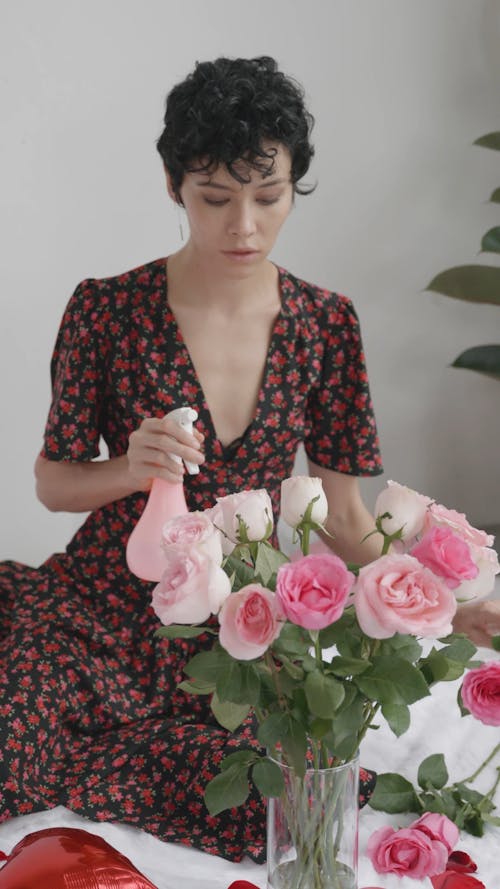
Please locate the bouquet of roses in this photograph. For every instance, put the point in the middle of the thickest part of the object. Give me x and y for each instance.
(316, 649)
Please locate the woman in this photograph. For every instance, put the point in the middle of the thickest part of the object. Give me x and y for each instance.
(93, 718)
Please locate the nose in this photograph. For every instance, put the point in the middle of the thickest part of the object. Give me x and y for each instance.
(241, 222)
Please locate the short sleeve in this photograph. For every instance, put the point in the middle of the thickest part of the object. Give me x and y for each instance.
(341, 432)
(72, 431)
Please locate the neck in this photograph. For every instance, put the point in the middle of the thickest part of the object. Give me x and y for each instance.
(194, 279)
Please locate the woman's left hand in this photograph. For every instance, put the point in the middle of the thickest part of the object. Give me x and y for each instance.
(480, 621)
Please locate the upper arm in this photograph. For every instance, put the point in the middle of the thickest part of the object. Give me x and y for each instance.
(72, 431)
(341, 432)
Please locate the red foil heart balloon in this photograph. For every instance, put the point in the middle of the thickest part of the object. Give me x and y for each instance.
(69, 858)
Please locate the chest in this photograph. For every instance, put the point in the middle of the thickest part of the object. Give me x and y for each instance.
(229, 356)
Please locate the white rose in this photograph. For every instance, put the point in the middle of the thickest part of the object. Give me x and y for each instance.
(296, 495)
(488, 567)
(254, 508)
(406, 507)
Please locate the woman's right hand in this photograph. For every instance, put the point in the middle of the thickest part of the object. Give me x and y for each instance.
(151, 449)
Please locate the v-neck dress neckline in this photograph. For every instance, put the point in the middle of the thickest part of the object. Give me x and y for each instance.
(228, 451)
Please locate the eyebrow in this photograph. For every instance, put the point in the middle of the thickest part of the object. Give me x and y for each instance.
(228, 188)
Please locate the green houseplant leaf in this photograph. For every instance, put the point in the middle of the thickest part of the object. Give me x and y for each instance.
(484, 359)
(495, 196)
(473, 283)
(490, 242)
(490, 140)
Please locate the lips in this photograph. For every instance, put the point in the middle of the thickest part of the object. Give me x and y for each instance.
(242, 255)
(244, 251)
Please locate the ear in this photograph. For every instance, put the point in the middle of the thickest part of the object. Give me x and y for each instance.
(171, 190)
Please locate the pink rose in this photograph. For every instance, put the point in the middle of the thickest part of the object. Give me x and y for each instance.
(479, 542)
(296, 495)
(447, 555)
(438, 827)
(406, 509)
(254, 508)
(191, 588)
(193, 529)
(481, 693)
(457, 521)
(406, 852)
(313, 591)
(396, 594)
(249, 621)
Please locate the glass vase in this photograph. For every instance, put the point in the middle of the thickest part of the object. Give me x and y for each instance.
(312, 829)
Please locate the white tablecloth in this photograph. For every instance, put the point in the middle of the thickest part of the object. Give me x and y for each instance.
(436, 727)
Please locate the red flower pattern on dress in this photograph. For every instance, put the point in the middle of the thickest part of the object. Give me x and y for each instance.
(91, 714)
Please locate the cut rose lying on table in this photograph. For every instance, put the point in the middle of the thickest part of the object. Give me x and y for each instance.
(276, 621)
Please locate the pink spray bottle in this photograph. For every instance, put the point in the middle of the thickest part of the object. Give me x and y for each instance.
(166, 500)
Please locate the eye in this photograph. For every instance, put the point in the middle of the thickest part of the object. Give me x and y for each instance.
(270, 198)
(215, 203)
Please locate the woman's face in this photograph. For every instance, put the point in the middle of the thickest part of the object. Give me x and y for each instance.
(235, 225)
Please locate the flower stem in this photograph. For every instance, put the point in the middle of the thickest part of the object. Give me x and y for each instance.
(481, 767)
(304, 539)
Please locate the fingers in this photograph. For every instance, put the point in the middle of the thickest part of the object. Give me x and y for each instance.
(480, 621)
(156, 447)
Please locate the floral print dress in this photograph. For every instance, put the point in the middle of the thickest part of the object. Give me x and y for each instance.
(90, 714)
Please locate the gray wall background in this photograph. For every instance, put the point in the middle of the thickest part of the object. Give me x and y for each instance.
(400, 90)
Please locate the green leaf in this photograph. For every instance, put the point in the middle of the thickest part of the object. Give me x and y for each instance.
(268, 561)
(406, 647)
(209, 665)
(397, 716)
(483, 359)
(492, 819)
(495, 196)
(324, 694)
(268, 777)
(227, 790)
(474, 283)
(342, 739)
(463, 709)
(295, 745)
(432, 802)
(319, 728)
(240, 757)
(293, 670)
(196, 687)
(393, 794)
(179, 631)
(227, 714)
(469, 794)
(432, 772)
(474, 824)
(436, 667)
(490, 140)
(292, 640)
(337, 632)
(239, 683)
(460, 649)
(393, 680)
(490, 242)
(240, 571)
(272, 729)
(347, 666)
(495, 641)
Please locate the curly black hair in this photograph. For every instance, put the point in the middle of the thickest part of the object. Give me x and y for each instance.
(225, 110)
